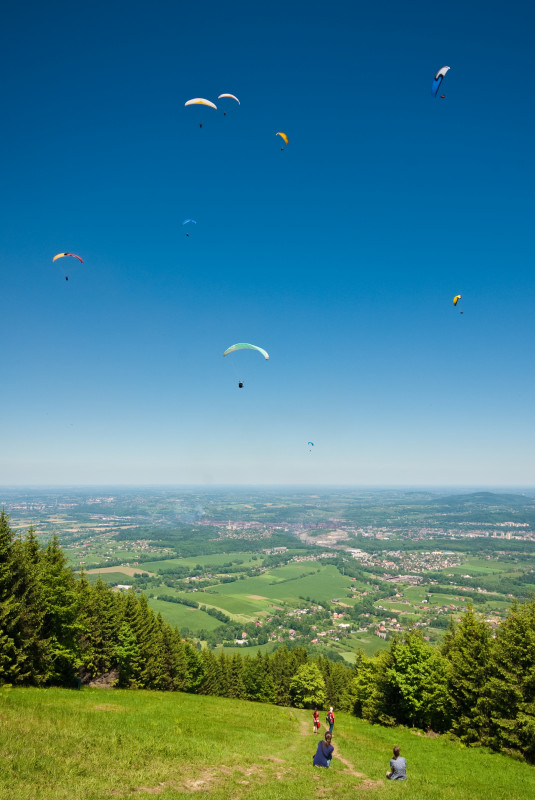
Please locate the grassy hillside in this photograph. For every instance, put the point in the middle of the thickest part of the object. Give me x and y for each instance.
(65, 745)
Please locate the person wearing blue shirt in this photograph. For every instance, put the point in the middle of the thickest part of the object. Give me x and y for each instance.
(324, 753)
(398, 767)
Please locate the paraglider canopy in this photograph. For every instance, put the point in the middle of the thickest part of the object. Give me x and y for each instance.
(245, 346)
(200, 101)
(232, 96)
(185, 222)
(283, 137)
(457, 298)
(437, 80)
(62, 255)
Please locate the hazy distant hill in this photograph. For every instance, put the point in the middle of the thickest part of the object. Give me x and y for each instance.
(486, 500)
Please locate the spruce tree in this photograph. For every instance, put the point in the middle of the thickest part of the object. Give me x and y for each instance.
(60, 625)
(10, 607)
(510, 690)
(467, 649)
(211, 684)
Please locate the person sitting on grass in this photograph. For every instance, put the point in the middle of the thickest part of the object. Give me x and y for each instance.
(398, 767)
(324, 753)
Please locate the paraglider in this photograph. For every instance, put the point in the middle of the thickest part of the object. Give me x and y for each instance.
(456, 299)
(310, 445)
(437, 80)
(245, 346)
(229, 95)
(200, 101)
(232, 97)
(72, 255)
(283, 137)
(185, 222)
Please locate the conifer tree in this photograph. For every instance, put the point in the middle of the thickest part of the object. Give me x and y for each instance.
(467, 649)
(235, 681)
(60, 625)
(510, 690)
(257, 680)
(281, 673)
(126, 655)
(195, 674)
(11, 664)
(101, 615)
(364, 686)
(211, 681)
(224, 671)
(35, 639)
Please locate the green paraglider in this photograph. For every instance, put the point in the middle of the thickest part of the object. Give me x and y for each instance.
(245, 346)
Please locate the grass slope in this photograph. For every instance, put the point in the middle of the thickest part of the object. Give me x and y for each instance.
(65, 745)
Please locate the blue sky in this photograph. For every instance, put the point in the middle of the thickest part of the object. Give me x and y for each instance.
(340, 255)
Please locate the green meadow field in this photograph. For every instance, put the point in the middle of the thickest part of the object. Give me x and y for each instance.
(184, 616)
(57, 744)
(288, 584)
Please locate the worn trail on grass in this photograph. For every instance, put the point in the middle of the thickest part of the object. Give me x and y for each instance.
(305, 731)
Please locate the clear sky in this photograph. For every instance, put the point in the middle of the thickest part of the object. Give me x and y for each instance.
(340, 254)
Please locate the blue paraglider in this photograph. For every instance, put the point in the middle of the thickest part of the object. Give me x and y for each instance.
(194, 221)
(437, 80)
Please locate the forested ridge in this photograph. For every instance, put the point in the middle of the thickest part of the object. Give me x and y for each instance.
(56, 627)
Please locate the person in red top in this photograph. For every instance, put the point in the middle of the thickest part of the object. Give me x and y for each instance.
(330, 719)
(316, 720)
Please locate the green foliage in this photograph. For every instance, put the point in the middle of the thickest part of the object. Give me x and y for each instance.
(307, 687)
(467, 650)
(55, 627)
(510, 690)
(409, 684)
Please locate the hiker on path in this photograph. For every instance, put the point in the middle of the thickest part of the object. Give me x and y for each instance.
(330, 720)
(398, 767)
(316, 720)
(324, 753)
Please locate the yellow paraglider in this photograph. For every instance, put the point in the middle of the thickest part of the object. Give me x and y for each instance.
(200, 101)
(283, 136)
(457, 298)
(72, 255)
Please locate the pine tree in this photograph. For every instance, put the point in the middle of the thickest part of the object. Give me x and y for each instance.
(126, 655)
(364, 685)
(10, 607)
(282, 671)
(257, 680)
(211, 684)
(60, 625)
(510, 690)
(235, 681)
(467, 650)
(100, 618)
(195, 668)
